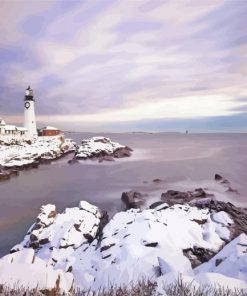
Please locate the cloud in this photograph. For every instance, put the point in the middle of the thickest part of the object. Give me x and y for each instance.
(112, 61)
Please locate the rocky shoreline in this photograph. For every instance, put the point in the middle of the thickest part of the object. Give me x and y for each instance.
(188, 234)
(22, 154)
(181, 233)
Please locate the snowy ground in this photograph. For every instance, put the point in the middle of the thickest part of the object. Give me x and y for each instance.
(136, 244)
(17, 152)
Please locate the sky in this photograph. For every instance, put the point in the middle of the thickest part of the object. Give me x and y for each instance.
(126, 65)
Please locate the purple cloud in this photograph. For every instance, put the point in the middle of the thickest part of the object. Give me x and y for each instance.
(91, 57)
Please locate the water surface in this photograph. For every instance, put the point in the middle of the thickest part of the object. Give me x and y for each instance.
(182, 161)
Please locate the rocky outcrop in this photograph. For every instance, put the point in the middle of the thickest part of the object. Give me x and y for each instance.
(7, 174)
(19, 154)
(155, 241)
(179, 197)
(226, 183)
(101, 149)
(133, 199)
(230, 261)
(238, 215)
(159, 205)
(73, 228)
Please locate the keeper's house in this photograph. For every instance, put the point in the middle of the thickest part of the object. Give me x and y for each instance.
(6, 129)
(49, 131)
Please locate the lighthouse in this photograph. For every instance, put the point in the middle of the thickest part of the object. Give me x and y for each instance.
(29, 113)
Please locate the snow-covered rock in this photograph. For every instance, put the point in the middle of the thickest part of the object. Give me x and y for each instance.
(156, 244)
(101, 148)
(24, 269)
(55, 236)
(138, 245)
(133, 245)
(21, 152)
(230, 261)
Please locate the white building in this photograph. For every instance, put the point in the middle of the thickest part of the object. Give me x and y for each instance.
(29, 113)
(29, 128)
(6, 129)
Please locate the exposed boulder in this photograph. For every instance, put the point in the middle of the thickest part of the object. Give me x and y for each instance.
(238, 215)
(106, 158)
(159, 205)
(198, 255)
(122, 152)
(230, 261)
(226, 183)
(7, 174)
(73, 161)
(158, 180)
(133, 199)
(179, 197)
(56, 235)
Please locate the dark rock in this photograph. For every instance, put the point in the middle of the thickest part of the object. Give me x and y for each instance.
(224, 182)
(157, 180)
(122, 152)
(44, 241)
(179, 197)
(132, 199)
(104, 248)
(237, 214)
(4, 176)
(151, 245)
(198, 255)
(106, 158)
(77, 227)
(200, 222)
(33, 237)
(88, 237)
(218, 177)
(218, 261)
(52, 214)
(35, 164)
(106, 256)
(14, 173)
(103, 221)
(34, 245)
(157, 203)
(100, 140)
(200, 193)
(73, 161)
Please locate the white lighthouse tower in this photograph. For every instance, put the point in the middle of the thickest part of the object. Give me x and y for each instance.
(29, 113)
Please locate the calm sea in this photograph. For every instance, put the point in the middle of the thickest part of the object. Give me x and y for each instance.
(182, 161)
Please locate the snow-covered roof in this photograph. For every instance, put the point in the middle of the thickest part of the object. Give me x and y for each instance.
(20, 128)
(10, 127)
(2, 122)
(49, 128)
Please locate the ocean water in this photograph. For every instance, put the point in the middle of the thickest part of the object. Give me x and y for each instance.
(182, 161)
